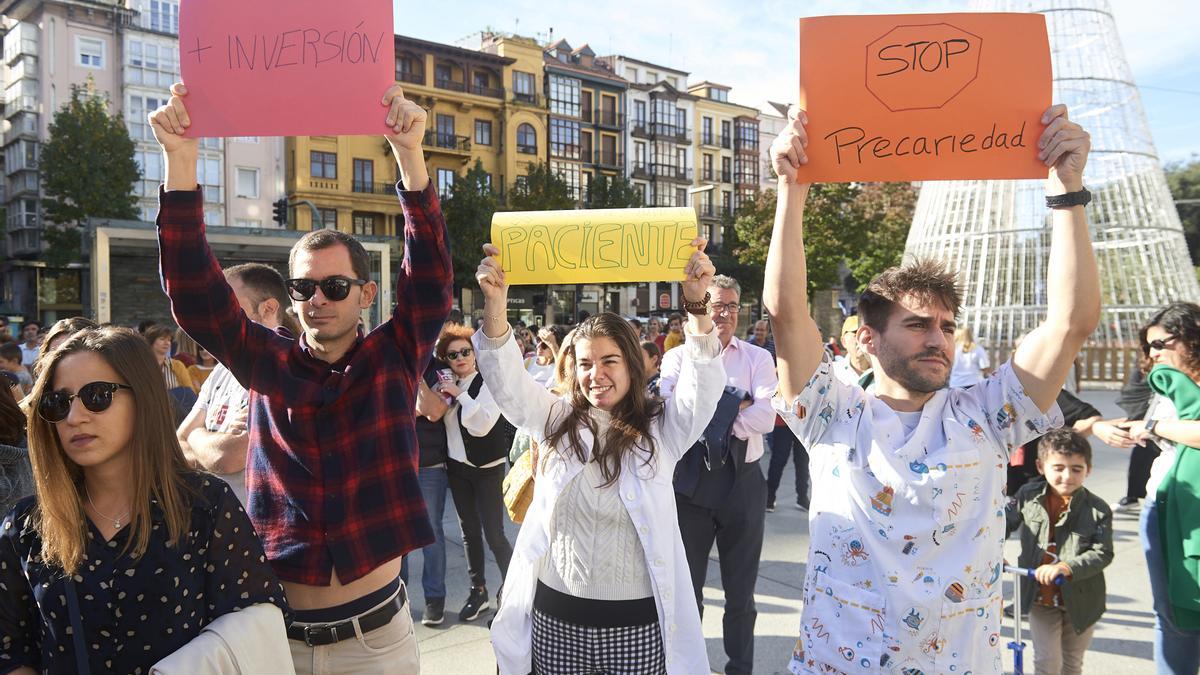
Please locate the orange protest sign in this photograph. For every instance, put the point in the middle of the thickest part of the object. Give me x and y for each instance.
(924, 96)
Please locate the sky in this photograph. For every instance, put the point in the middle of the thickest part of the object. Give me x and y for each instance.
(754, 50)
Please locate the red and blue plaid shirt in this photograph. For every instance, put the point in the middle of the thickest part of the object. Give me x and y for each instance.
(332, 465)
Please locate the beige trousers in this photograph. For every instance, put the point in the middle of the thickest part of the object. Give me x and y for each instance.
(1057, 648)
(390, 649)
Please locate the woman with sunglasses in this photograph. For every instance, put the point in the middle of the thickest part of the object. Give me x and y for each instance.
(599, 580)
(1170, 519)
(546, 347)
(123, 555)
(477, 441)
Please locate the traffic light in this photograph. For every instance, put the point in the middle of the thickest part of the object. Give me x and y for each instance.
(281, 212)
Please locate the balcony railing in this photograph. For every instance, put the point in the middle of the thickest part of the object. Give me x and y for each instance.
(364, 187)
(527, 149)
(434, 139)
(707, 174)
(603, 158)
(671, 172)
(707, 211)
(714, 140)
(323, 184)
(411, 78)
(662, 131)
(490, 92)
(640, 170)
(449, 85)
(746, 145)
(726, 177)
(528, 99)
(607, 118)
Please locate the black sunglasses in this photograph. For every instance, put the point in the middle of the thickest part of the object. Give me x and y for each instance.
(334, 288)
(95, 396)
(1161, 344)
(466, 351)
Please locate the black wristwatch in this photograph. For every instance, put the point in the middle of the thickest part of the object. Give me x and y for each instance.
(1150, 424)
(1066, 201)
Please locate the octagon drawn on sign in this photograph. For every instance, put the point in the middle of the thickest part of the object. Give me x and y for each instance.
(921, 66)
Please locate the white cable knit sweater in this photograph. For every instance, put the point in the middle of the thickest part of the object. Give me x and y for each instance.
(595, 552)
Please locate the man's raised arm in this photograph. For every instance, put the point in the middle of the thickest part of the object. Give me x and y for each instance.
(785, 288)
(424, 282)
(1073, 282)
(202, 302)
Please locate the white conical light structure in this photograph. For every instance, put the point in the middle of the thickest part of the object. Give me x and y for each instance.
(996, 233)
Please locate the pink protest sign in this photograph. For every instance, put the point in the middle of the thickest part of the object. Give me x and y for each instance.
(286, 67)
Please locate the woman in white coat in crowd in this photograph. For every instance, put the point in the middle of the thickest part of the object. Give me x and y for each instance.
(598, 580)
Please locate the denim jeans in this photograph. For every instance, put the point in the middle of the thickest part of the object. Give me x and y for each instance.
(433, 572)
(1176, 652)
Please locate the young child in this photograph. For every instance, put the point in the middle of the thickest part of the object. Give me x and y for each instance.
(1065, 531)
(10, 360)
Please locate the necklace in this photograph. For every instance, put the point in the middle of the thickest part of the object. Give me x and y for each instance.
(116, 522)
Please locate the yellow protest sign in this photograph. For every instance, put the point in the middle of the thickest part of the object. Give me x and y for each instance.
(594, 246)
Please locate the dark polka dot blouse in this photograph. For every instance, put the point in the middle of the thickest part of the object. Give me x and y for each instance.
(133, 612)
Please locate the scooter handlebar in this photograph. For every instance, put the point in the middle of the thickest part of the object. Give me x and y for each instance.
(1026, 572)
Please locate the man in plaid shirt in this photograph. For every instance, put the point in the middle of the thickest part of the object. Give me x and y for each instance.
(332, 467)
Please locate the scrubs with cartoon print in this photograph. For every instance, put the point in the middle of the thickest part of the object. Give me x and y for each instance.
(907, 525)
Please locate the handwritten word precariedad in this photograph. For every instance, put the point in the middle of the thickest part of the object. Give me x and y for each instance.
(850, 143)
(596, 246)
(286, 67)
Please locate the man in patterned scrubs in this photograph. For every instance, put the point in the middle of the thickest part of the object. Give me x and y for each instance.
(907, 521)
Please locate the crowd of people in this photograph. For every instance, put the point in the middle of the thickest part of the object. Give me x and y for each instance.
(258, 506)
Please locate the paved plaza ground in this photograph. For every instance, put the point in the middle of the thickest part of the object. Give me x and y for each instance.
(1122, 644)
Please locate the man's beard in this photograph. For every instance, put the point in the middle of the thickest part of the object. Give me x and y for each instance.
(904, 370)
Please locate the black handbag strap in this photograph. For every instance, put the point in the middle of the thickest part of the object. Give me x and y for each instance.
(81, 660)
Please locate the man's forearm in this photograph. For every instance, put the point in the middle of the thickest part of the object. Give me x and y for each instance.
(413, 173)
(785, 292)
(181, 170)
(219, 452)
(1073, 288)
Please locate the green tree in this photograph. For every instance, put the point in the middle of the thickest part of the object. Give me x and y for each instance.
(1184, 180)
(88, 171)
(727, 261)
(863, 225)
(832, 232)
(752, 229)
(613, 193)
(884, 213)
(468, 210)
(540, 189)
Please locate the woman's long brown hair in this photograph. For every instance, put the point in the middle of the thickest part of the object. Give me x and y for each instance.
(158, 465)
(631, 417)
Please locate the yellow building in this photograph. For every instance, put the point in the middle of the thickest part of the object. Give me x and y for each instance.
(349, 179)
(523, 115)
(722, 140)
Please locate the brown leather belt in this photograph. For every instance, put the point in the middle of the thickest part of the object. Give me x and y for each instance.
(327, 634)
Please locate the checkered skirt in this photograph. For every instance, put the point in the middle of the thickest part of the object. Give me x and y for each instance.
(563, 648)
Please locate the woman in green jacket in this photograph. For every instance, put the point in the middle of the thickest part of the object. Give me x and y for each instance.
(1170, 522)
